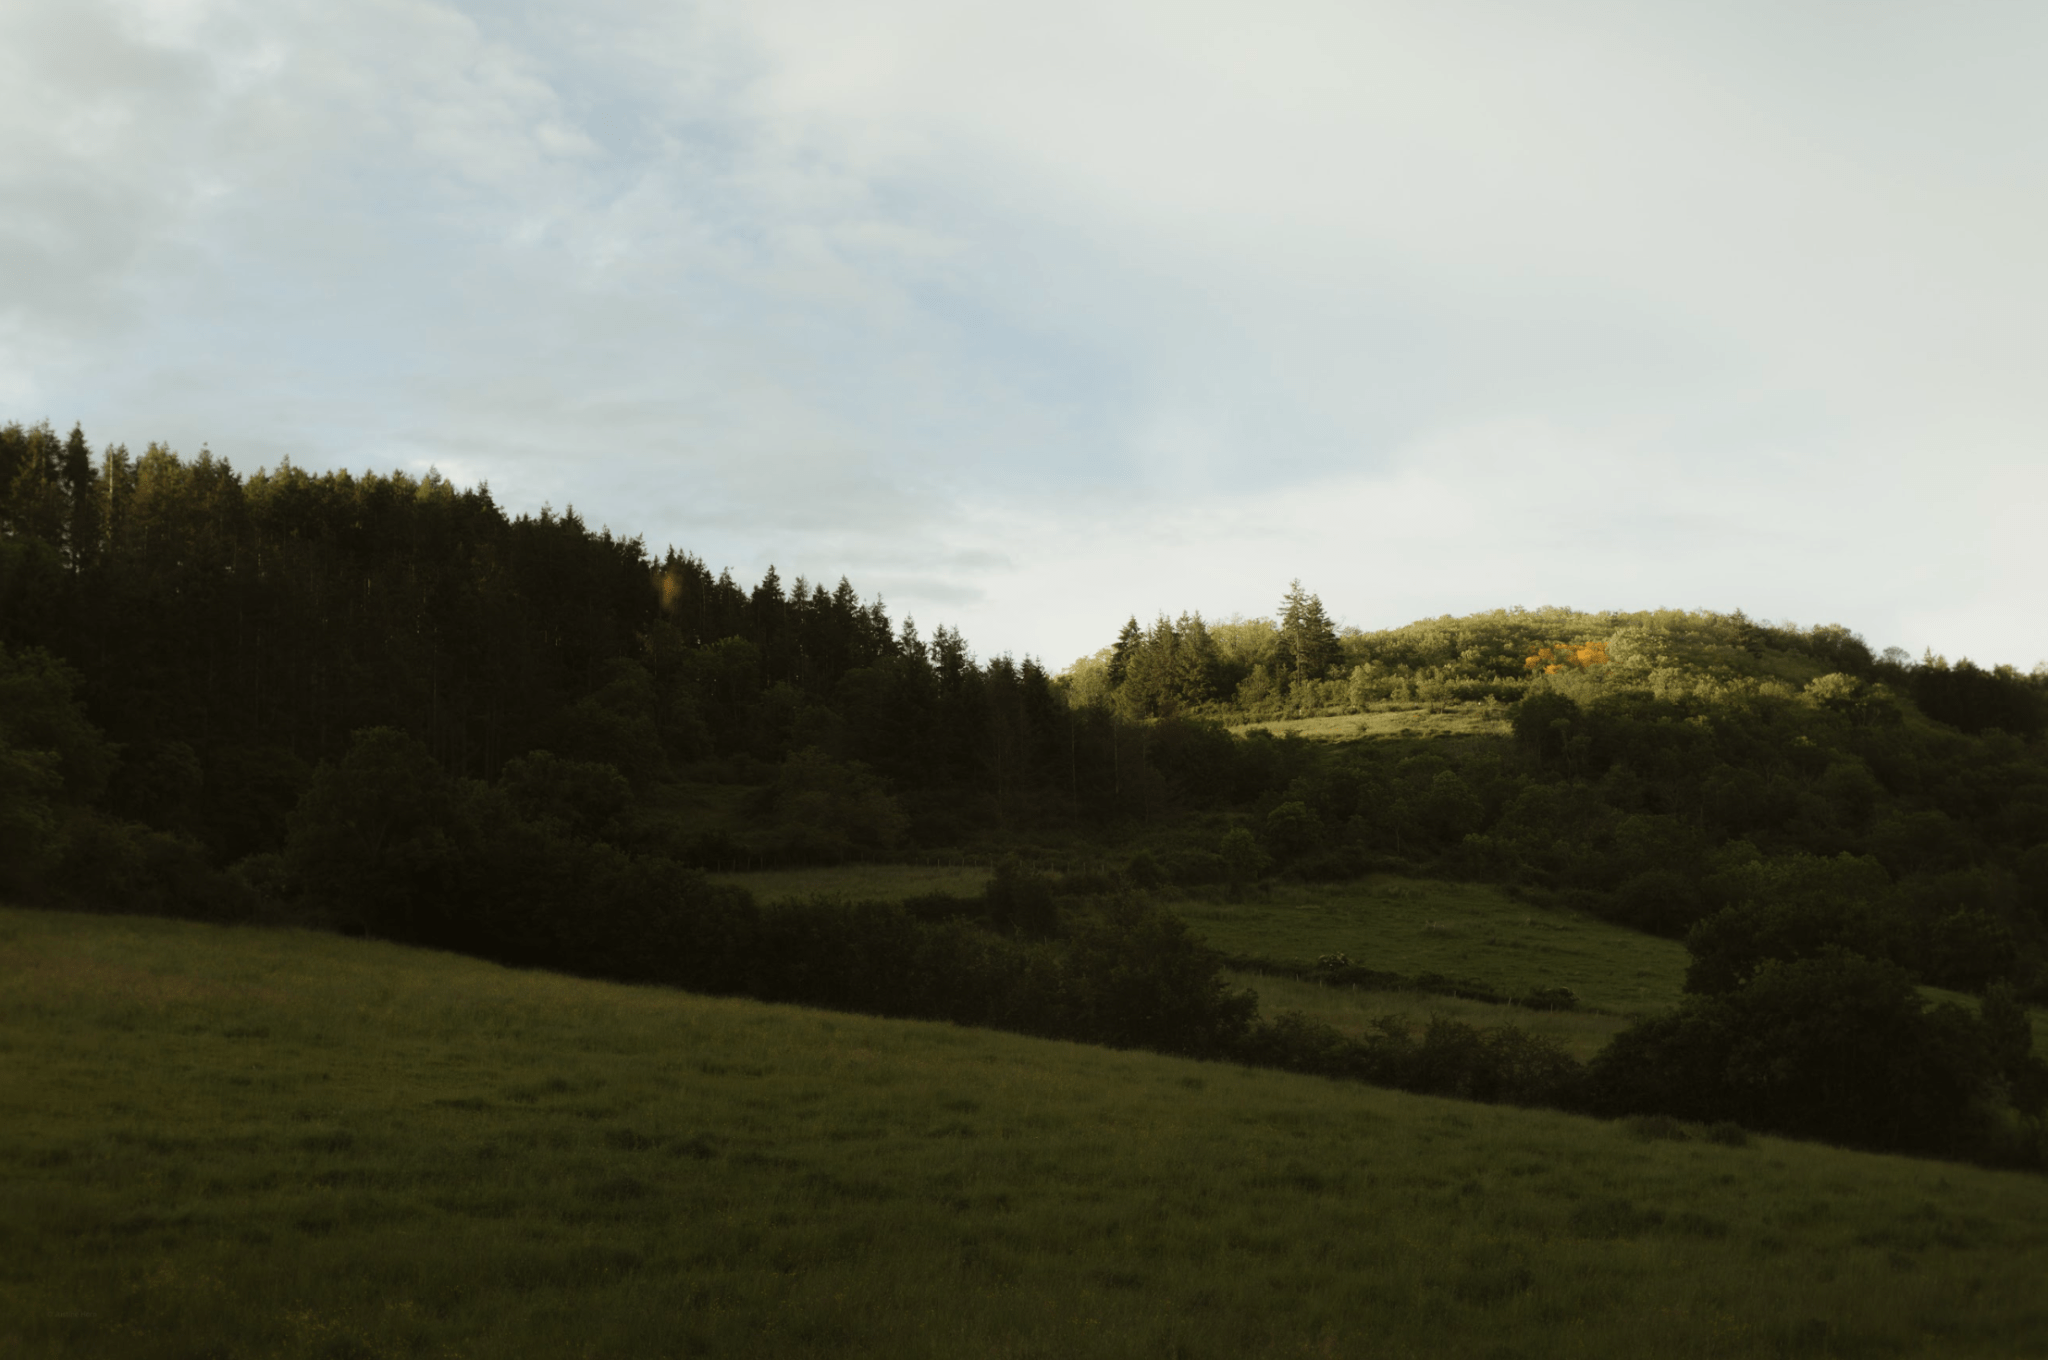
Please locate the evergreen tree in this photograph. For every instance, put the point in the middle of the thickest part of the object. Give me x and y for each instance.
(1127, 644)
(1308, 640)
(82, 537)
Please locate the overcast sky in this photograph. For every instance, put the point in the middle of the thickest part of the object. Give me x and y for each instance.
(1031, 317)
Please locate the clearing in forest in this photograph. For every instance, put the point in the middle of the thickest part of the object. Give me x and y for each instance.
(1472, 931)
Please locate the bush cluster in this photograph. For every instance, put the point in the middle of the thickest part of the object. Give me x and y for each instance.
(1450, 1058)
(1839, 1047)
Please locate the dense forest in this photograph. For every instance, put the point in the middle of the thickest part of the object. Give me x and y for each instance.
(383, 704)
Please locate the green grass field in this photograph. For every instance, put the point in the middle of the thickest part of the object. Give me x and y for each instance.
(1463, 930)
(232, 1143)
(1456, 720)
(861, 882)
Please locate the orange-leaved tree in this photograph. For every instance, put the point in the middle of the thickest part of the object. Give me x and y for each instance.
(1564, 656)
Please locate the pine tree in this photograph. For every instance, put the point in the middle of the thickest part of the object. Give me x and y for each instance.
(1308, 640)
(83, 533)
(1127, 644)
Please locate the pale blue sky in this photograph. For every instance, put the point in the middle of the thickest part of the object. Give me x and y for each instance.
(1032, 317)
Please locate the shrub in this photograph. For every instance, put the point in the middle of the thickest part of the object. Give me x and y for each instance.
(1143, 871)
(104, 864)
(1503, 1065)
(1835, 1046)
(1018, 900)
(1143, 981)
(375, 837)
(1242, 856)
(1729, 946)
(1291, 829)
(1660, 901)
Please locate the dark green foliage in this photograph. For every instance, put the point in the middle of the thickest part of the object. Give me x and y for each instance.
(380, 835)
(1291, 830)
(388, 843)
(583, 798)
(1503, 1065)
(1660, 901)
(40, 714)
(234, 631)
(1941, 930)
(826, 811)
(1242, 857)
(2032, 868)
(1019, 901)
(52, 763)
(1143, 981)
(1974, 700)
(1449, 811)
(1831, 1046)
(1143, 870)
(1968, 949)
(28, 782)
(1546, 723)
(1789, 909)
(617, 723)
(102, 863)
(248, 794)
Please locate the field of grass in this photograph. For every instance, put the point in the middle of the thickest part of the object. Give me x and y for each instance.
(1456, 720)
(232, 1143)
(1463, 930)
(1352, 1010)
(861, 882)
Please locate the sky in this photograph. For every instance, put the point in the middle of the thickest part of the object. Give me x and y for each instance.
(1030, 318)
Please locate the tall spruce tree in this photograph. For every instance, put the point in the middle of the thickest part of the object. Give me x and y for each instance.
(1127, 644)
(1308, 640)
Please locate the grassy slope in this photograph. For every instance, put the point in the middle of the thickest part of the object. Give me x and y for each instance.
(1406, 720)
(224, 1143)
(1466, 930)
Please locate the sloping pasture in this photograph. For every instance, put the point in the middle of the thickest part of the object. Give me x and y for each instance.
(254, 1143)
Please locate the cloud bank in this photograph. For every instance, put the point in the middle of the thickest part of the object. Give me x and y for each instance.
(1033, 318)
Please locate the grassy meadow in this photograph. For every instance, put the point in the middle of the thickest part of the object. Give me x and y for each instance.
(1404, 720)
(230, 1143)
(1464, 930)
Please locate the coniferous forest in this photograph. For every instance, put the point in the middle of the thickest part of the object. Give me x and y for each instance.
(385, 706)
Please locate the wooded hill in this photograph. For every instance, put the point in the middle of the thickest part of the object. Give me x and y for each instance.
(385, 704)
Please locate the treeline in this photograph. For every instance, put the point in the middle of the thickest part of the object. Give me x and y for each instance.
(228, 633)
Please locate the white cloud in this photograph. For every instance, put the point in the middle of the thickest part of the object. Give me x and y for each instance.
(1033, 316)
